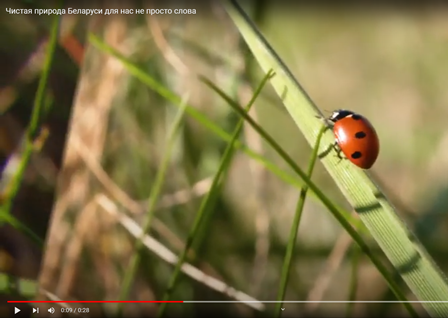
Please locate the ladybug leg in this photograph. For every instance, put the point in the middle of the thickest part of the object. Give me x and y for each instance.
(338, 151)
(328, 150)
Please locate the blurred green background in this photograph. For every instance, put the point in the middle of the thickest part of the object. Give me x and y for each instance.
(388, 64)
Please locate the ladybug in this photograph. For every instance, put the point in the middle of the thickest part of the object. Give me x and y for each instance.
(355, 137)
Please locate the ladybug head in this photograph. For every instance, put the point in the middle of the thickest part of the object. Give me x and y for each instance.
(339, 114)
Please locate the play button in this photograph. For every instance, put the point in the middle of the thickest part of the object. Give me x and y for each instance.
(16, 310)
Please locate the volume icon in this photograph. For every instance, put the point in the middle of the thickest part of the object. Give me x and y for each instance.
(51, 310)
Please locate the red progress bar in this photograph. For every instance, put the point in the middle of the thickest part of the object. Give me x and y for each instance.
(94, 301)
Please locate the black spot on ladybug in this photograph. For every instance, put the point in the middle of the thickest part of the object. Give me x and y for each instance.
(356, 117)
(360, 135)
(356, 155)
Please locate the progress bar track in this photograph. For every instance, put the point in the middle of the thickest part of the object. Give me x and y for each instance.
(309, 302)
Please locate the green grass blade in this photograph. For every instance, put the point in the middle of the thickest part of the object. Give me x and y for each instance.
(353, 280)
(38, 109)
(342, 218)
(154, 195)
(295, 228)
(206, 201)
(21, 227)
(399, 244)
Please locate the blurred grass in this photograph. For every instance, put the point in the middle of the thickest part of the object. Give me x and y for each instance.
(30, 144)
(209, 200)
(31, 135)
(154, 196)
(24, 288)
(318, 47)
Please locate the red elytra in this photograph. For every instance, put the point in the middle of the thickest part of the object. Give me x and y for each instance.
(355, 137)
